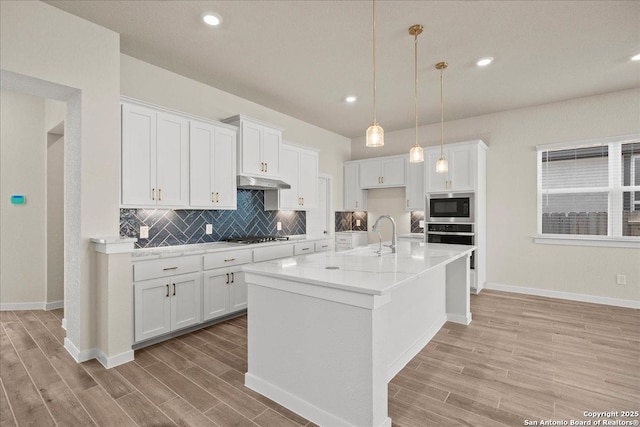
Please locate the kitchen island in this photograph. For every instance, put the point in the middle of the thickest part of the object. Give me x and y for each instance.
(328, 331)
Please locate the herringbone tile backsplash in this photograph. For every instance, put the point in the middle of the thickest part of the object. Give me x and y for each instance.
(181, 227)
(416, 217)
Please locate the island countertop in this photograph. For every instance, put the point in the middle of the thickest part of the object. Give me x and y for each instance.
(361, 270)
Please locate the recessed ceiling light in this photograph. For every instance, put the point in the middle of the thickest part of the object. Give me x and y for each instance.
(212, 20)
(351, 98)
(636, 57)
(483, 62)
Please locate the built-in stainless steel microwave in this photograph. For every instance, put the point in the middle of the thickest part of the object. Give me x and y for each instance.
(450, 207)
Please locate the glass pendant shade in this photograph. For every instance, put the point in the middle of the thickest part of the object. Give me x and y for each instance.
(442, 166)
(375, 136)
(416, 155)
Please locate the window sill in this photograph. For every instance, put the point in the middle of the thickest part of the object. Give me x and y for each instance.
(602, 241)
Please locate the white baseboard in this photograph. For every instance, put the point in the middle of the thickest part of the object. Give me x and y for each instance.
(64, 323)
(564, 295)
(459, 318)
(113, 361)
(17, 306)
(297, 405)
(80, 356)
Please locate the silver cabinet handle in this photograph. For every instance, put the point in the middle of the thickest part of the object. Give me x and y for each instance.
(169, 268)
(212, 197)
(356, 203)
(266, 167)
(232, 278)
(160, 194)
(227, 278)
(229, 259)
(261, 166)
(174, 289)
(167, 290)
(153, 194)
(407, 202)
(217, 197)
(305, 249)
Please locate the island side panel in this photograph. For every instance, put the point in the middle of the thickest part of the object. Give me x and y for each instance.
(410, 320)
(315, 357)
(458, 291)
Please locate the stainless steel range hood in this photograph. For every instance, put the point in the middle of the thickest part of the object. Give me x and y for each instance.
(258, 183)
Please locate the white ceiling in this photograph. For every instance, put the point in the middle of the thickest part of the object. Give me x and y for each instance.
(303, 57)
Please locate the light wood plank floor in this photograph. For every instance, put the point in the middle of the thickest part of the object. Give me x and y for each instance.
(523, 357)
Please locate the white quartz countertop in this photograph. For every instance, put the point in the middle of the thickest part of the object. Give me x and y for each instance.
(204, 248)
(362, 270)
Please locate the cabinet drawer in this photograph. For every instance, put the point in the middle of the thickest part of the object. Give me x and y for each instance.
(324, 245)
(342, 247)
(303, 248)
(343, 239)
(144, 270)
(227, 259)
(272, 252)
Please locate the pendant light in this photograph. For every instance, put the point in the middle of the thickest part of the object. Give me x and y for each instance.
(416, 154)
(442, 166)
(375, 133)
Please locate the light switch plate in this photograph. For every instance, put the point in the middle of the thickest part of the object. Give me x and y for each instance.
(421, 224)
(144, 232)
(357, 223)
(208, 229)
(621, 279)
(279, 226)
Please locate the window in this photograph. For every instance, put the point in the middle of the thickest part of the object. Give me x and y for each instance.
(590, 191)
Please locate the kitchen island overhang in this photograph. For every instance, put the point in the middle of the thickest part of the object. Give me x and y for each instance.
(328, 331)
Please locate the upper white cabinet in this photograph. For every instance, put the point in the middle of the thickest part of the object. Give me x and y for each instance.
(462, 159)
(259, 147)
(212, 166)
(383, 172)
(414, 190)
(355, 199)
(155, 158)
(298, 168)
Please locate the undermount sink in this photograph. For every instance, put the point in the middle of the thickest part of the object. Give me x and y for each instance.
(367, 251)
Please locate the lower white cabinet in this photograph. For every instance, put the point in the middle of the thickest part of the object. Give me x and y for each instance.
(346, 240)
(166, 304)
(224, 291)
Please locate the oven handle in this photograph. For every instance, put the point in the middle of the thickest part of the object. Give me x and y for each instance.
(450, 233)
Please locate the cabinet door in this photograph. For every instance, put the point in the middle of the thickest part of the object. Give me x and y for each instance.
(434, 181)
(370, 174)
(461, 168)
(414, 189)
(215, 293)
(354, 198)
(201, 137)
(186, 300)
(172, 160)
(308, 179)
(237, 291)
(271, 145)
(251, 142)
(290, 199)
(152, 308)
(224, 169)
(138, 155)
(393, 172)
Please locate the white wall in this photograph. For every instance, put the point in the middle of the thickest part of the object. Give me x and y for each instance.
(43, 42)
(152, 84)
(512, 256)
(22, 171)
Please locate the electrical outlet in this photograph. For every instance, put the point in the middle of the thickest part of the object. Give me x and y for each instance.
(421, 224)
(279, 226)
(208, 229)
(144, 232)
(621, 279)
(357, 223)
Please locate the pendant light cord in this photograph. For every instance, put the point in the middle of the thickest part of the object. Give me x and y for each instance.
(375, 121)
(415, 87)
(441, 115)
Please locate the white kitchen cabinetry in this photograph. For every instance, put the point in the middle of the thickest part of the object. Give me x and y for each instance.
(298, 168)
(166, 304)
(383, 172)
(346, 240)
(224, 288)
(212, 166)
(259, 147)
(414, 190)
(154, 158)
(355, 199)
(304, 248)
(462, 160)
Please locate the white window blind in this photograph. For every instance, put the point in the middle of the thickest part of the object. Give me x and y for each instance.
(590, 188)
